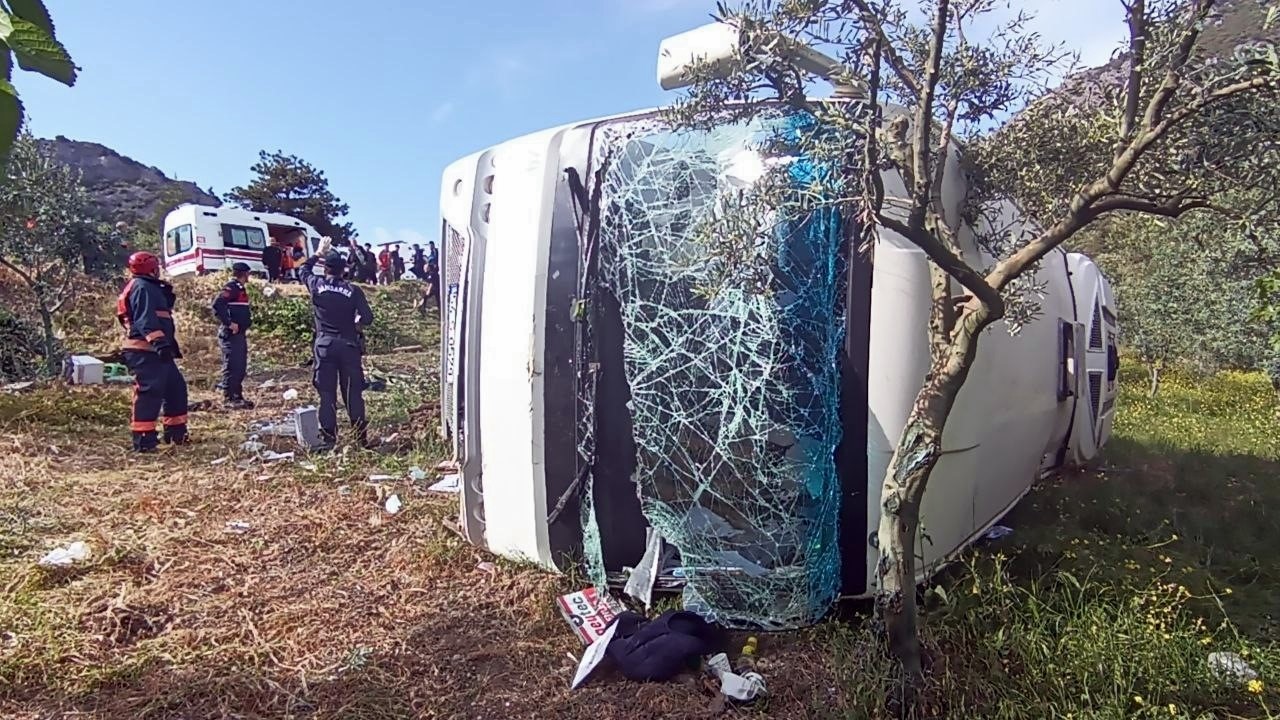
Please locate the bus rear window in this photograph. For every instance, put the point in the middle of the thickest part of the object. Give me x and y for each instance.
(245, 238)
(177, 240)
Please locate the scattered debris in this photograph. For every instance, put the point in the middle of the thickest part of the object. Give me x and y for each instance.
(998, 531)
(382, 478)
(83, 370)
(19, 386)
(640, 582)
(220, 460)
(1231, 667)
(407, 348)
(487, 567)
(306, 422)
(311, 467)
(344, 489)
(589, 613)
(269, 290)
(273, 456)
(593, 656)
(267, 384)
(66, 556)
(237, 527)
(200, 406)
(658, 650)
(290, 395)
(417, 474)
(393, 504)
(449, 484)
(282, 428)
(743, 688)
(253, 446)
(447, 466)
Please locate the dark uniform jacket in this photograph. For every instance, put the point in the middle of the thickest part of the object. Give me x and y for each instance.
(145, 309)
(337, 303)
(232, 306)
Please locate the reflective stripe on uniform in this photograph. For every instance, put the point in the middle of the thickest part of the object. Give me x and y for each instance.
(155, 335)
(135, 344)
(142, 426)
(175, 420)
(164, 314)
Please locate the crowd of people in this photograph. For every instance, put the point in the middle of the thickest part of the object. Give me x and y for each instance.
(284, 256)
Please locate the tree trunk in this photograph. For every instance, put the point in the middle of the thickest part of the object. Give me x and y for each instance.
(917, 453)
(1155, 379)
(51, 364)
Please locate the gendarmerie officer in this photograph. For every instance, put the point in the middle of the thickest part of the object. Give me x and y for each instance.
(231, 307)
(341, 310)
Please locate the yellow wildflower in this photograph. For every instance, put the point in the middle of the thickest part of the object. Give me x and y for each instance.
(1138, 699)
(1255, 686)
(1173, 709)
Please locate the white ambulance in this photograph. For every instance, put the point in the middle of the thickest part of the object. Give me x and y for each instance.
(202, 239)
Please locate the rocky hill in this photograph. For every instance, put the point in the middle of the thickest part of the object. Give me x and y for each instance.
(123, 188)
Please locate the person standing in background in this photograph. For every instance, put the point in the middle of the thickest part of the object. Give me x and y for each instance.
(384, 266)
(271, 258)
(419, 262)
(231, 308)
(397, 264)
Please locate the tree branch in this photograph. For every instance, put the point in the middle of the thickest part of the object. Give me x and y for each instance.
(1137, 54)
(948, 261)
(1170, 207)
(922, 150)
(890, 53)
(1173, 76)
(18, 271)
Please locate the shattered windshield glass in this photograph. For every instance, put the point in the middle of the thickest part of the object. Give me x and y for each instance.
(732, 319)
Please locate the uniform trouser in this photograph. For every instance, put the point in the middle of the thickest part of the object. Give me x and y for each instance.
(159, 397)
(235, 362)
(338, 370)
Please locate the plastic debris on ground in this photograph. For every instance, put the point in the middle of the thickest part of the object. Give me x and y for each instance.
(417, 474)
(393, 504)
(660, 649)
(220, 461)
(592, 657)
(1231, 667)
(66, 556)
(589, 612)
(267, 384)
(253, 446)
(449, 484)
(640, 582)
(487, 567)
(744, 688)
(290, 395)
(237, 527)
(311, 467)
(273, 456)
(19, 386)
(997, 532)
(306, 422)
(287, 427)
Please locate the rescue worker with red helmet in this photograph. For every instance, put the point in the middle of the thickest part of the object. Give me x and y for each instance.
(231, 307)
(145, 309)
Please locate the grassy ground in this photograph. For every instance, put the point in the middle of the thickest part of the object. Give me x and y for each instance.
(1104, 603)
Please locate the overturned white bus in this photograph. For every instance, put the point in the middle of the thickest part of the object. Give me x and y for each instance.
(594, 394)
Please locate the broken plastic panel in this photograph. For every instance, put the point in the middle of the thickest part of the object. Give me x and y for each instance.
(731, 362)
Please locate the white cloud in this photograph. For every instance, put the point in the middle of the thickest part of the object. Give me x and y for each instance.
(443, 111)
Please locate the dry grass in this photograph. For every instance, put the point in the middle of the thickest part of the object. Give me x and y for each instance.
(328, 607)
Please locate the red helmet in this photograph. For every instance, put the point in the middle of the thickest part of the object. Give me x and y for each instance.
(144, 263)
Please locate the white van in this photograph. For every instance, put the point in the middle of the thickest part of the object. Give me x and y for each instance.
(202, 239)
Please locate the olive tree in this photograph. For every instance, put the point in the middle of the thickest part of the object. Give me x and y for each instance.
(1149, 138)
(27, 36)
(45, 226)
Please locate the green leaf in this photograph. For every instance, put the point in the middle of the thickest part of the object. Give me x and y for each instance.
(34, 12)
(10, 118)
(38, 52)
(6, 25)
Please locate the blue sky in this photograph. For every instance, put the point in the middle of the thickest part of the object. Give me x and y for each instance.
(382, 94)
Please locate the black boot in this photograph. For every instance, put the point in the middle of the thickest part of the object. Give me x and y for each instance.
(176, 435)
(238, 403)
(144, 442)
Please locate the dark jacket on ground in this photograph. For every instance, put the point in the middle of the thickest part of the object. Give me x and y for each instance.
(145, 309)
(232, 306)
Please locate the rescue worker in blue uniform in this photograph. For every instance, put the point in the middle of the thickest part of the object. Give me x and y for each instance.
(231, 307)
(341, 311)
(145, 309)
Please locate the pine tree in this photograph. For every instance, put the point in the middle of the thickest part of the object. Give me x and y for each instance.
(292, 186)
